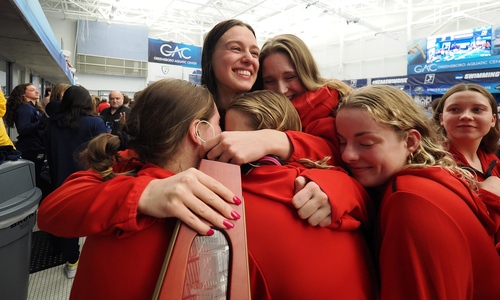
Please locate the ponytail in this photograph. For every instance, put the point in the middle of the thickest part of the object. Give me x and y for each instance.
(101, 153)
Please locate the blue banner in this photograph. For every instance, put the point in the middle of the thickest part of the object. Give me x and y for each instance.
(440, 89)
(473, 63)
(396, 81)
(174, 53)
(439, 83)
(356, 83)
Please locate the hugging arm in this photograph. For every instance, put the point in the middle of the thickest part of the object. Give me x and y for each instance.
(241, 147)
(86, 205)
(350, 206)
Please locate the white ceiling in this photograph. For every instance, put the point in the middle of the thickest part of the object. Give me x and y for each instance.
(319, 21)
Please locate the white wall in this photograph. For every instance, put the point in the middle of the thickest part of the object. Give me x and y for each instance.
(65, 33)
(94, 82)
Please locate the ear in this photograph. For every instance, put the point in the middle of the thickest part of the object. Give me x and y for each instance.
(441, 119)
(413, 140)
(192, 132)
(494, 120)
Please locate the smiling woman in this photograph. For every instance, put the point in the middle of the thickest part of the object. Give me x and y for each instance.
(467, 114)
(229, 61)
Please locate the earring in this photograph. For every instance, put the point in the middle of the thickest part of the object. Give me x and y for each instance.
(410, 158)
(198, 134)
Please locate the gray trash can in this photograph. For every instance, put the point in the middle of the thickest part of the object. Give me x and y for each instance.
(19, 199)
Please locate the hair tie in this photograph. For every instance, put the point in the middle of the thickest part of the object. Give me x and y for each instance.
(107, 172)
(123, 140)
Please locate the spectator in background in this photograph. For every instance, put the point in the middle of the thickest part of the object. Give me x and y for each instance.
(68, 133)
(126, 100)
(7, 149)
(434, 104)
(4, 137)
(96, 100)
(114, 115)
(103, 104)
(46, 97)
(25, 112)
(55, 98)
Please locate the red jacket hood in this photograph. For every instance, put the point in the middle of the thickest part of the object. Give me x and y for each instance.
(313, 105)
(456, 185)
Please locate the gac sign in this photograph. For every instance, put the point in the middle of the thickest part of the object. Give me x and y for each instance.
(171, 53)
(425, 68)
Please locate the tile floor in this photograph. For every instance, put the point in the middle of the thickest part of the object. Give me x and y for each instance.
(50, 284)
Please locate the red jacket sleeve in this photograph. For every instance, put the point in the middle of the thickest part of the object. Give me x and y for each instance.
(85, 205)
(351, 205)
(307, 146)
(492, 203)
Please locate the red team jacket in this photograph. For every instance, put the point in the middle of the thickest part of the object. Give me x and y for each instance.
(435, 247)
(124, 251)
(490, 163)
(297, 260)
(315, 109)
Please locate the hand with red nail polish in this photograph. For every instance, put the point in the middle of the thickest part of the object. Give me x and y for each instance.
(196, 196)
(228, 224)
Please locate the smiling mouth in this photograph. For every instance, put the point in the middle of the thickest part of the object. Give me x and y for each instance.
(244, 73)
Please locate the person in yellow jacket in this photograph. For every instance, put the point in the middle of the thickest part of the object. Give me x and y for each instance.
(4, 137)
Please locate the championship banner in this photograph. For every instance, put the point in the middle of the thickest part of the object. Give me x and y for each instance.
(476, 48)
(174, 53)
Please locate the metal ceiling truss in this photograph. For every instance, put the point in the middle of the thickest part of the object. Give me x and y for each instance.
(193, 18)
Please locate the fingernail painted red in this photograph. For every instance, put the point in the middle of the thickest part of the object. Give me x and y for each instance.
(235, 215)
(237, 200)
(228, 224)
(210, 232)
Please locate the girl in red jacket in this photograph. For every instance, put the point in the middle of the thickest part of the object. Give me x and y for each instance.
(287, 66)
(127, 234)
(467, 114)
(296, 260)
(434, 235)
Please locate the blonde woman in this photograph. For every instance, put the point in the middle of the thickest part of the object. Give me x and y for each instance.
(434, 236)
(279, 241)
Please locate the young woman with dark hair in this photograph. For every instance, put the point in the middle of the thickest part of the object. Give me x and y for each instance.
(67, 134)
(27, 115)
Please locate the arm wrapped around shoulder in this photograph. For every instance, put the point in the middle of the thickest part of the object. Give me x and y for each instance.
(351, 206)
